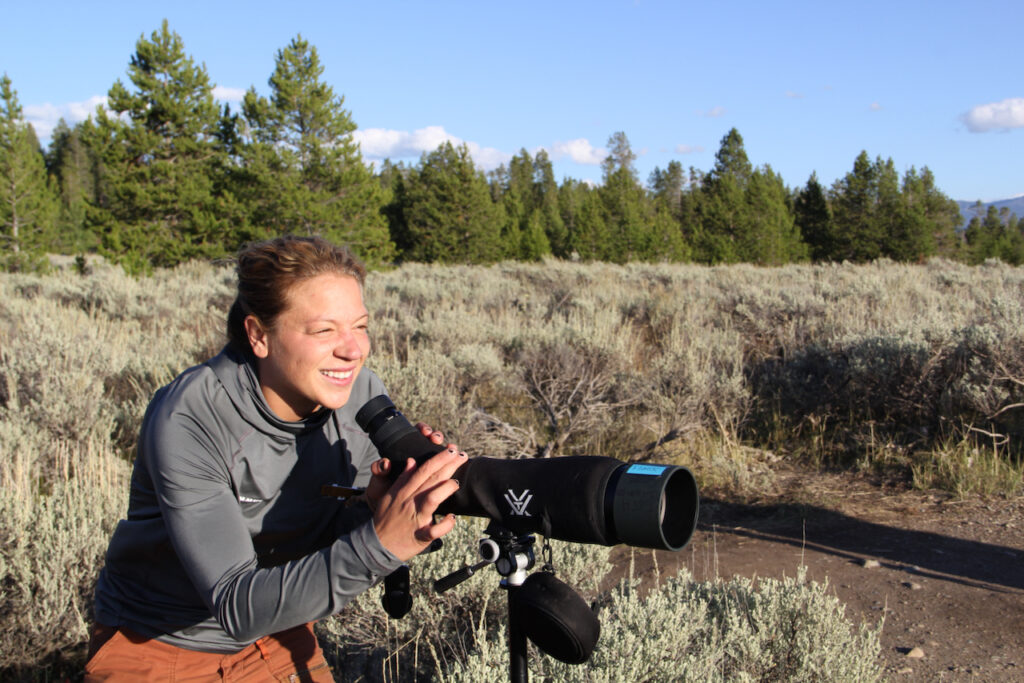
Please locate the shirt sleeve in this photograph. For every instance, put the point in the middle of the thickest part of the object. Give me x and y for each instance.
(211, 539)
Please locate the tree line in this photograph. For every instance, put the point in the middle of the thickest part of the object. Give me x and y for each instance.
(164, 174)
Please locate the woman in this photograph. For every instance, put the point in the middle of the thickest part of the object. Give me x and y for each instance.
(229, 552)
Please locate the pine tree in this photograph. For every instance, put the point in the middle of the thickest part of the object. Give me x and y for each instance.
(667, 187)
(527, 191)
(973, 237)
(637, 229)
(875, 214)
(584, 218)
(302, 171)
(723, 233)
(28, 205)
(744, 213)
(854, 199)
(158, 200)
(895, 226)
(814, 219)
(448, 215)
(690, 211)
(513, 188)
(622, 197)
(545, 201)
(992, 237)
(942, 214)
(533, 240)
(914, 236)
(74, 169)
(666, 242)
(773, 238)
(392, 178)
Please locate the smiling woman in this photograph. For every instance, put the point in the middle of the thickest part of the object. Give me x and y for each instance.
(229, 551)
(310, 355)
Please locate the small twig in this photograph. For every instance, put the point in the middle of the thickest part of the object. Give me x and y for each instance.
(1005, 408)
(1009, 377)
(1000, 439)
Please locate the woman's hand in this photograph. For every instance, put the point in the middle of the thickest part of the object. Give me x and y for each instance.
(381, 481)
(403, 512)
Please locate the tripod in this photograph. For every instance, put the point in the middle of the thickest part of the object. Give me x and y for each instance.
(512, 557)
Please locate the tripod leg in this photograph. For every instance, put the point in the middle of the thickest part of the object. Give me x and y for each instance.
(516, 643)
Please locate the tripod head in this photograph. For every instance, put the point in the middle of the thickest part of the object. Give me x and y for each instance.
(511, 555)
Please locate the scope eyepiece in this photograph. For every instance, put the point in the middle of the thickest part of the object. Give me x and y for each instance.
(375, 413)
(393, 435)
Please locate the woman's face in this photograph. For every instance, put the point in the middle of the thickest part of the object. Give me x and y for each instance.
(312, 356)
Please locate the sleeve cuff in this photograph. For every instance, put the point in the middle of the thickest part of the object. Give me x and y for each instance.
(379, 560)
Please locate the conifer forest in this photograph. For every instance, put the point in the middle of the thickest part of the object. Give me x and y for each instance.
(164, 174)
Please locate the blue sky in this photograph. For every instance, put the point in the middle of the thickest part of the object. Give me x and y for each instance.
(808, 85)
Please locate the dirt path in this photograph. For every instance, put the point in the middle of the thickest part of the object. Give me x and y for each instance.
(948, 576)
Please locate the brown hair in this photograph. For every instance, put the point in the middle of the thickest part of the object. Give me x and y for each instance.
(268, 270)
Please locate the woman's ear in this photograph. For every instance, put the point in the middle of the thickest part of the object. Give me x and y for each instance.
(257, 335)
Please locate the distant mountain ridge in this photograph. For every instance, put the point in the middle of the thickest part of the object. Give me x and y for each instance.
(968, 210)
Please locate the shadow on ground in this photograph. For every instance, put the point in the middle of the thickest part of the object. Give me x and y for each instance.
(926, 553)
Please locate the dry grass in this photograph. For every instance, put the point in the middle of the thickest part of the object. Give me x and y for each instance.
(914, 370)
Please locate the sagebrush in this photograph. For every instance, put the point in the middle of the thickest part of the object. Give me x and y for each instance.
(917, 368)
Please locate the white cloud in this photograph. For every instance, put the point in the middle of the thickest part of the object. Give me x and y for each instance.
(487, 158)
(44, 117)
(1001, 116)
(382, 143)
(579, 151)
(794, 95)
(689, 149)
(225, 94)
(714, 112)
(875, 106)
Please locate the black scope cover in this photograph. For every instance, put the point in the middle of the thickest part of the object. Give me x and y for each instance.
(560, 497)
(579, 498)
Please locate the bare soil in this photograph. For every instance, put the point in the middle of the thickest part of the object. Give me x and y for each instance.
(946, 575)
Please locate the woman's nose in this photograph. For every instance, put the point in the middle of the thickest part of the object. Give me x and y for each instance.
(348, 347)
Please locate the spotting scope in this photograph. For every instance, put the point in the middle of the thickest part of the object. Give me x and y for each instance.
(583, 499)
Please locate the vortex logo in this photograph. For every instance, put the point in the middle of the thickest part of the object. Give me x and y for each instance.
(519, 503)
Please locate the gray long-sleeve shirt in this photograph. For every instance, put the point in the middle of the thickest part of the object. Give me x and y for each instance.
(227, 537)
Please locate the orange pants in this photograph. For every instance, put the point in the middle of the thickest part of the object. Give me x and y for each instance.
(123, 655)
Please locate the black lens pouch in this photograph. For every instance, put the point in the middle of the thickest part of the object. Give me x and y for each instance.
(556, 618)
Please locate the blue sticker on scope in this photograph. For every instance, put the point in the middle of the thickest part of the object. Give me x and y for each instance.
(652, 470)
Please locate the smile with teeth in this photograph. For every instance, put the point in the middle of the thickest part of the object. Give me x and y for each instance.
(337, 374)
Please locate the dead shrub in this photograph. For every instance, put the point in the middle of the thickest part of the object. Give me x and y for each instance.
(574, 388)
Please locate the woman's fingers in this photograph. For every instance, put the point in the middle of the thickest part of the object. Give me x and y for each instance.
(381, 467)
(429, 499)
(405, 516)
(425, 430)
(439, 467)
(431, 532)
